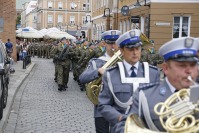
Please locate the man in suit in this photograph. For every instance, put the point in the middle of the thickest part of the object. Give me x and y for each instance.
(121, 81)
(95, 70)
(180, 56)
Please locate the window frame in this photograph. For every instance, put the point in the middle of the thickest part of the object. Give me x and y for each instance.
(58, 18)
(50, 3)
(60, 5)
(73, 20)
(49, 15)
(180, 26)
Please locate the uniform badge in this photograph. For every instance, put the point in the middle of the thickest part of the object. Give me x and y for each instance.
(113, 32)
(132, 34)
(188, 42)
(163, 91)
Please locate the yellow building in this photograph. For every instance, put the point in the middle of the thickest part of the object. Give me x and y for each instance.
(160, 20)
(67, 15)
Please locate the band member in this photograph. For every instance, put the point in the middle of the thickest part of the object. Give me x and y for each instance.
(95, 70)
(120, 82)
(180, 56)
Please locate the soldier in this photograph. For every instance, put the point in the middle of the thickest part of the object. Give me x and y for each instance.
(54, 53)
(65, 52)
(75, 60)
(149, 55)
(120, 82)
(95, 70)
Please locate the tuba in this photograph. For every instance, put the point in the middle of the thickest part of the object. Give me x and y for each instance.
(176, 114)
(93, 88)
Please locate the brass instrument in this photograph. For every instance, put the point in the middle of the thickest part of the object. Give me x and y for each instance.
(144, 38)
(93, 88)
(176, 114)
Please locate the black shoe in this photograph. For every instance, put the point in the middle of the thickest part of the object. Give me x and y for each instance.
(75, 79)
(65, 86)
(60, 88)
(82, 89)
(63, 89)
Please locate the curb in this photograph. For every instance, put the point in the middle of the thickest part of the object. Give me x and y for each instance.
(12, 94)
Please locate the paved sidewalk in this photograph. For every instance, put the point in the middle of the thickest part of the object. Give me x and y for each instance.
(40, 108)
(16, 79)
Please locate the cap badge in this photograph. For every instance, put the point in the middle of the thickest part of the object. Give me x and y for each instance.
(188, 42)
(132, 34)
(113, 32)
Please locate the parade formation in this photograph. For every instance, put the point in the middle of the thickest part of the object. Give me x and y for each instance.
(99, 66)
(120, 76)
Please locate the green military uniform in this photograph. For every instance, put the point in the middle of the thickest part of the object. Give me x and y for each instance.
(65, 52)
(54, 54)
(152, 58)
(75, 59)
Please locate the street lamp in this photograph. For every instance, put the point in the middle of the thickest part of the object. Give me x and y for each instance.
(107, 10)
(137, 4)
(86, 21)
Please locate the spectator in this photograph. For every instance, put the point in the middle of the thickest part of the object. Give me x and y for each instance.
(9, 47)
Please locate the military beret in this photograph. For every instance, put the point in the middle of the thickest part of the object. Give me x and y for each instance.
(111, 35)
(130, 39)
(180, 49)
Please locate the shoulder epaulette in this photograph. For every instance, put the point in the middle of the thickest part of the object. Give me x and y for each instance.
(147, 86)
(92, 59)
(154, 67)
(111, 68)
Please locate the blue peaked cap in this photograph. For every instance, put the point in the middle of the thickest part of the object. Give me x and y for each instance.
(130, 39)
(111, 35)
(180, 49)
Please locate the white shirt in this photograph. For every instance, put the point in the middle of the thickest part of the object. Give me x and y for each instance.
(128, 67)
(172, 88)
(107, 55)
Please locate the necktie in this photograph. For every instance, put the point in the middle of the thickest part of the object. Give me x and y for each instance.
(133, 74)
(176, 90)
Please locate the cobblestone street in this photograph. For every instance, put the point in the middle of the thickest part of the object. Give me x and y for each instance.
(40, 108)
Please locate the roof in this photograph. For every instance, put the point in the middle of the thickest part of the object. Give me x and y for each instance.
(19, 3)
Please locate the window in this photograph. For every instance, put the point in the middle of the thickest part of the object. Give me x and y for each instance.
(72, 19)
(84, 6)
(181, 26)
(73, 5)
(60, 18)
(50, 4)
(83, 20)
(60, 5)
(50, 18)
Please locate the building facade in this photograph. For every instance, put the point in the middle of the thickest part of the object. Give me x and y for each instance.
(159, 20)
(8, 22)
(66, 15)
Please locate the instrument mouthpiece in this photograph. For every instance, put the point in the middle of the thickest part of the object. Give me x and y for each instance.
(190, 79)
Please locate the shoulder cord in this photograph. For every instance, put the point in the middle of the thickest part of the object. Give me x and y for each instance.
(118, 102)
(145, 107)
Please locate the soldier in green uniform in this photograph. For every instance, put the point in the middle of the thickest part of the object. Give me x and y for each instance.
(149, 55)
(65, 52)
(54, 54)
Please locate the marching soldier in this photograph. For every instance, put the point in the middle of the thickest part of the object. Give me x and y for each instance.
(64, 64)
(121, 81)
(55, 54)
(149, 55)
(95, 70)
